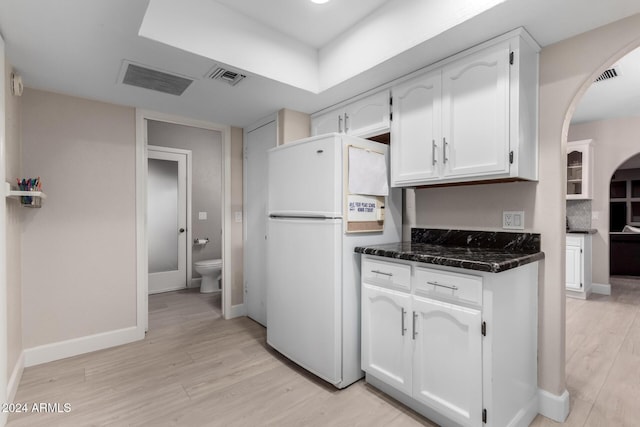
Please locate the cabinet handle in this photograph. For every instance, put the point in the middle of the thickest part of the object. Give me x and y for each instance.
(433, 152)
(382, 272)
(414, 332)
(346, 123)
(444, 150)
(340, 123)
(402, 314)
(452, 287)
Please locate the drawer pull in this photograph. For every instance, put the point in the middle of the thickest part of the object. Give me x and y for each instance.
(453, 287)
(402, 314)
(382, 272)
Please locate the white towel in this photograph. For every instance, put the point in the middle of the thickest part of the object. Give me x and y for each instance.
(367, 172)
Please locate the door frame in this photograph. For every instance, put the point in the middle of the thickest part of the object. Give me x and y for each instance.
(142, 243)
(188, 154)
(245, 203)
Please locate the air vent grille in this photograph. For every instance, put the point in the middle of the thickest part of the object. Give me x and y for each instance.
(159, 81)
(225, 75)
(608, 74)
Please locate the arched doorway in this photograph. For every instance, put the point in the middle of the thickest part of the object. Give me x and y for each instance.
(624, 221)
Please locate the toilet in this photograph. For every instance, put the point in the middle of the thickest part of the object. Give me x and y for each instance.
(210, 270)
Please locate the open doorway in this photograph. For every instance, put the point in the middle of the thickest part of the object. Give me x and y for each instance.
(609, 115)
(184, 221)
(624, 220)
(207, 227)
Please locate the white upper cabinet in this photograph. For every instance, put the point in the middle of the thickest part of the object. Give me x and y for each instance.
(416, 131)
(364, 117)
(475, 104)
(471, 117)
(579, 169)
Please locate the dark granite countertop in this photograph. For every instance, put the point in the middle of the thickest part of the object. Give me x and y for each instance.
(582, 231)
(473, 250)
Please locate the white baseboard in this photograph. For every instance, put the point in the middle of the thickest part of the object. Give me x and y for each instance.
(236, 311)
(195, 282)
(14, 381)
(601, 288)
(552, 406)
(73, 347)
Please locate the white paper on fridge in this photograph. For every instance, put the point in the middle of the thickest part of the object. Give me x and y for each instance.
(362, 208)
(367, 172)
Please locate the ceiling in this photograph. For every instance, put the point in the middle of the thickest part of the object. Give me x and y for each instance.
(295, 54)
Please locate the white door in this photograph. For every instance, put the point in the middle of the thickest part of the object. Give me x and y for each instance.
(417, 130)
(304, 293)
(386, 336)
(167, 221)
(369, 116)
(475, 114)
(258, 141)
(447, 368)
(574, 268)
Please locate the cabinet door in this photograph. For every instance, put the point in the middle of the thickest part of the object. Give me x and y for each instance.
(574, 268)
(368, 116)
(475, 114)
(447, 364)
(579, 170)
(386, 339)
(416, 130)
(327, 123)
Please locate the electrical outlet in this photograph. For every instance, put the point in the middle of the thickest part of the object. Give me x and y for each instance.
(513, 220)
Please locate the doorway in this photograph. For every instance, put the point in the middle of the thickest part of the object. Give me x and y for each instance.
(223, 211)
(167, 221)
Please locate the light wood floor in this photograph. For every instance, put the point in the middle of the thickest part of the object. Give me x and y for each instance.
(196, 369)
(603, 358)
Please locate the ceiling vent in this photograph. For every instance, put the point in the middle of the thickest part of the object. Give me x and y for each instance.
(160, 81)
(608, 74)
(225, 75)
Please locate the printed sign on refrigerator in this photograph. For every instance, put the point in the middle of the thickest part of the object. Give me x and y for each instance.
(362, 208)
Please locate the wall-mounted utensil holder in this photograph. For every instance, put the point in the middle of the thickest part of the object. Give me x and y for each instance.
(28, 199)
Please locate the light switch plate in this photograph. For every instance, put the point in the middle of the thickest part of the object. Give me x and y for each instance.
(238, 216)
(202, 215)
(513, 220)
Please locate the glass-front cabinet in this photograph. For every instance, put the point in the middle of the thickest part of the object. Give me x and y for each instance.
(579, 169)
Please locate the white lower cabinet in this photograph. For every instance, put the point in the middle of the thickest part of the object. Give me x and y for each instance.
(578, 265)
(447, 367)
(386, 335)
(457, 347)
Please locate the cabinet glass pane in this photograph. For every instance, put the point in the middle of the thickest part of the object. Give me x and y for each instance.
(635, 188)
(617, 216)
(618, 189)
(574, 172)
(635, 211)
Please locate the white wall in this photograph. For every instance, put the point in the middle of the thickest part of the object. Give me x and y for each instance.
(14, 226)
(566, 70)
(79, 249)
(615, 141)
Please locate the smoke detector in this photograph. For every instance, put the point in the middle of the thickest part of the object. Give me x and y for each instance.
(226, 75)
(608, 74)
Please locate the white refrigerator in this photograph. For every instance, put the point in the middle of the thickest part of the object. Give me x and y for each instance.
(313, 274)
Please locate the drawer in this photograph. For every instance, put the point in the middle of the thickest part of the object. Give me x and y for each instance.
(448, 285)
(388, 274)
